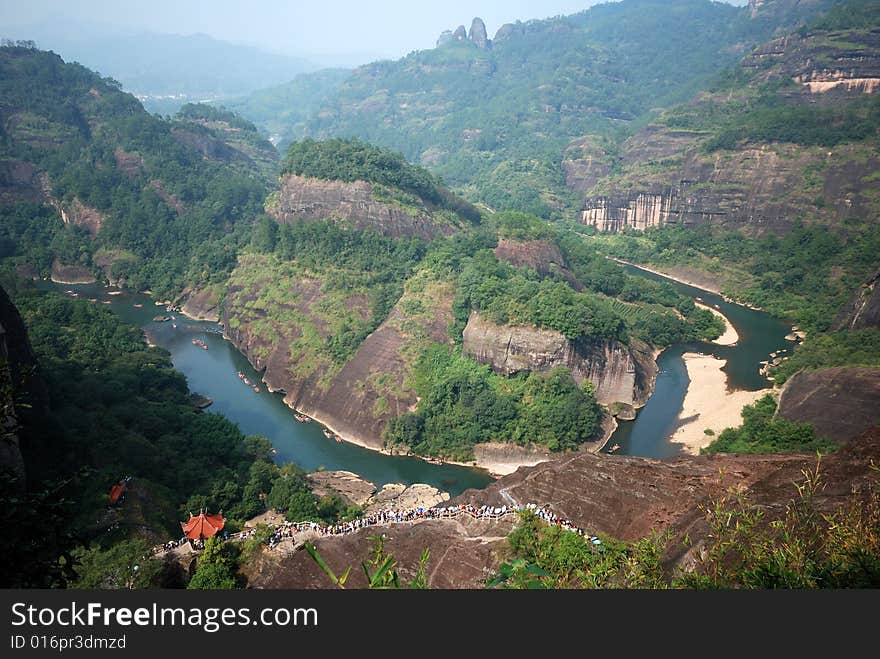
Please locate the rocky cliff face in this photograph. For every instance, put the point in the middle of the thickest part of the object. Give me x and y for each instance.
(81, 215)
(306, 199)
(842, 403)
(356, 399)
(19, 383)
(619, 373)
(539, 255)
(625, 497)
(863, 309)
(758, 188)
(201, 305)
(71, 274)
(478, 33)
(664, 176)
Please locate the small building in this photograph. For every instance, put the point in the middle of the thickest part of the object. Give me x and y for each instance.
(202, 526)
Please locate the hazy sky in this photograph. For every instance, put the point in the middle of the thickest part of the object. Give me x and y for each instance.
(389, 28)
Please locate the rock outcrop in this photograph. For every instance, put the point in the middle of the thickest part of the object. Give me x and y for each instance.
(308, 199)
(624, 497)
(201, 305)
(478, 33)
(539, 255)
(842, 403)
(357, 398)
(619, 373)
(71, 274)
(863, 309)
(81, 215)
(361, 492)
(207, 145)
(507, 31)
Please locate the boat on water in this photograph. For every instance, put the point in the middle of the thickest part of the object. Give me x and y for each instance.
(138, 305)
(435, 461)
(240, 375)
(204, 346)
(106, 302)
(327, 434)
(114, 292)
(274, 451)
(246, 381)
(174, 325)
(338, 438)
(257, 389)
(614, 448)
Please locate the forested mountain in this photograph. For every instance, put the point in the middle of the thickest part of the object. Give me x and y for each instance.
(497, 122)
(782, 148)
(284, 111)
(151, 203)
(735, 144)
(165, 71)
(788, 134)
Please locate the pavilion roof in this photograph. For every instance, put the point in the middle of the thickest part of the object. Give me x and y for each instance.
(202, 525)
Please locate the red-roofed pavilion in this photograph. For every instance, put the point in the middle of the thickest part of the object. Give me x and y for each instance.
(116, 492)
(202, 526)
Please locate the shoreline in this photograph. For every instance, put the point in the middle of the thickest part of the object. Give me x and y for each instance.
(708, 403)
(730, 336)
(686, 282)
(680, 280)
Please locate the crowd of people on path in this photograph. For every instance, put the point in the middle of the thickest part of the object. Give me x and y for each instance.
(284, 530)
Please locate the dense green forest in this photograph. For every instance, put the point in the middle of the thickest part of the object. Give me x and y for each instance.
(497, 124)
(806, 275)
(176, 200)
(463, 403)
(761, 432)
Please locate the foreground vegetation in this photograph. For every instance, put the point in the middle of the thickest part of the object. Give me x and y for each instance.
(761, 432)
(114, 409)
(745, 547)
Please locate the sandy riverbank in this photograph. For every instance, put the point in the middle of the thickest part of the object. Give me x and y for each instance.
(729, 337)
(708, 403)
(680, 280)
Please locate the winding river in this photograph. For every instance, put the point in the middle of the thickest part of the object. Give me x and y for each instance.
(759, 335)
(213, 373)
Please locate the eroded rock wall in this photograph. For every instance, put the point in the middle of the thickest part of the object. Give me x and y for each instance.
(308, 199)
(619, 373)
(841, 403)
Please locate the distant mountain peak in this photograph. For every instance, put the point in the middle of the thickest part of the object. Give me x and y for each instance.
(477, 34)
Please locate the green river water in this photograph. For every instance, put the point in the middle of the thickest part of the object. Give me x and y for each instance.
(213, 373)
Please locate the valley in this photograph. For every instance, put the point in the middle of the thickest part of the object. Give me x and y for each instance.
(578, 264)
